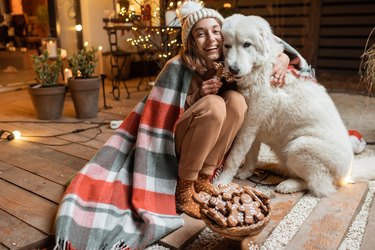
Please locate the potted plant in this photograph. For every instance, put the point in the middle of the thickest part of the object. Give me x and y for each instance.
(47, 94)
(83, 86)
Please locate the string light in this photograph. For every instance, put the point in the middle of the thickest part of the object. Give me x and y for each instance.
(17, 134)
(6, 135)
(78, 27)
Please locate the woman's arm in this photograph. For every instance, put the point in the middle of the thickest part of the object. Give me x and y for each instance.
(279, 70)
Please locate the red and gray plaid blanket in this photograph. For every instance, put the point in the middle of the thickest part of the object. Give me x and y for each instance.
(124, 197)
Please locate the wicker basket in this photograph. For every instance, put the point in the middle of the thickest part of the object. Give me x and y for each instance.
(241, 232)
(237, 233)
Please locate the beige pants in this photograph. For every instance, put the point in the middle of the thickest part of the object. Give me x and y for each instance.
(205, 132)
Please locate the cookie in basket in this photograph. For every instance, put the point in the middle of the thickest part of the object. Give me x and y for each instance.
(233, 211)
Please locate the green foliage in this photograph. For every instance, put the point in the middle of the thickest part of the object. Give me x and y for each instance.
(46, 69)
(83, 63)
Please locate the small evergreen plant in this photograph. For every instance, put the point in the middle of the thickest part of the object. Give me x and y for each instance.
(83, 63)
(46, 69)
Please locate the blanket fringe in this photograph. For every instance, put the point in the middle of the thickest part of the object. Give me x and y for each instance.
(63, 245)
(66, 245)
(120, 246)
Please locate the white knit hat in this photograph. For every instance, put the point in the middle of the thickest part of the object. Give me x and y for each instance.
(190, 12)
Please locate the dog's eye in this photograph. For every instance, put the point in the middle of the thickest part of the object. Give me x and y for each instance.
(246, 45)
(227, 46)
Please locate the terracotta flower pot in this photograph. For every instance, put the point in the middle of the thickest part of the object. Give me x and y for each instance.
(48, 101)
(85, 95)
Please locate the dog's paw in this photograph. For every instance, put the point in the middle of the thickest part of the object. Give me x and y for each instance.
(223, 179)
(291, 186)
(243, 174)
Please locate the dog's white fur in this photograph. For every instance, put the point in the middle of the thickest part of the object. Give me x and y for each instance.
(298, 121)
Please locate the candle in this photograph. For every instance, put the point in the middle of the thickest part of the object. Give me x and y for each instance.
(100, 60)
(52, 49)
(67, 74)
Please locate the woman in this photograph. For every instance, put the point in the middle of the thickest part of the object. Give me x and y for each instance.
(214, 111)
(125, 196)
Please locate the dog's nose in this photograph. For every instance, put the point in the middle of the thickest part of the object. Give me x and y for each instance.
(234, 70)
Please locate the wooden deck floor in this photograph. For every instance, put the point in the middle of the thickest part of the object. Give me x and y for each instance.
(33, 174)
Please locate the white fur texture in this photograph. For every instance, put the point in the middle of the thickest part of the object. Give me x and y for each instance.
(299, 121)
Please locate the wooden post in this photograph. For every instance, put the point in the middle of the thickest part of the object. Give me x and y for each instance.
(311, 43)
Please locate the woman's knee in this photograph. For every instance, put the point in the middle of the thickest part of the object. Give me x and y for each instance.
(215, 107)
(235, 104)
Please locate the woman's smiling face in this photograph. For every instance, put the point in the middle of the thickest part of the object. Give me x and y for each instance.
(207, 36)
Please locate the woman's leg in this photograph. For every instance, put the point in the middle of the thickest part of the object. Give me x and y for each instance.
(196, 134)
(236, 107)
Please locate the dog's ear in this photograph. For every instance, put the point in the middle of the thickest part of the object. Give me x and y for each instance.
(265, 34)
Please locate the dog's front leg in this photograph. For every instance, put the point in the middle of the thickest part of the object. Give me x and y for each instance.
(240, 147)
(249, 166)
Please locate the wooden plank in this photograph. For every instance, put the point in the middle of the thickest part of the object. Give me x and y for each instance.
(328, 223)
(290, 31)
(343, 42)
(353, 8)
(31, 182)
(281, 205)
(288, 21)
(311, 42)
(268, 11)
(56, 143)
(348, 20)
(339, 2)
(184, 235)
(15, 234)
(345, 31)
(339, 63)
(242, 3)
(368, 241)
(30, 209)
(57, 167)
(340, 53)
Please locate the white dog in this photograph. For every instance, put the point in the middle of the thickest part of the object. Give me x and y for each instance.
(298, 121)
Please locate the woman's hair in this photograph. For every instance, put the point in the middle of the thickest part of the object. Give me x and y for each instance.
(190, 54)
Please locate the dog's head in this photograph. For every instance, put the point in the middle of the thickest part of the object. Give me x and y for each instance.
(248, 42)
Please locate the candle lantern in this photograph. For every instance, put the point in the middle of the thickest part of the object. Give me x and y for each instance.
(50, 44)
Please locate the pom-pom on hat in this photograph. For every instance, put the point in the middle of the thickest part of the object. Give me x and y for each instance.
(190, 12)
(358, 143)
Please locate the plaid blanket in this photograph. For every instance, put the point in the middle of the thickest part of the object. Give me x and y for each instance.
(124, 197)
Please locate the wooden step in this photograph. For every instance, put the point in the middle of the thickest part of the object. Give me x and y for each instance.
(368, 241)
(15, 234)
(328, 223)
(184, 235)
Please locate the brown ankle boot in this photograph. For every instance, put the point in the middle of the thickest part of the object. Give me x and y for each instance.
(203, 184)
(184, 200)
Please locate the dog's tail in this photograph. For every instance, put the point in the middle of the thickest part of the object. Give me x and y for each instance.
(363, 169)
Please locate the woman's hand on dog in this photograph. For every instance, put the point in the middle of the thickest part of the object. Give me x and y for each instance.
(279, 70)
(210, 87)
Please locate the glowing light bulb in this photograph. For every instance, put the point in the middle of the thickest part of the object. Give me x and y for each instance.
(17, 134)
(78, 27)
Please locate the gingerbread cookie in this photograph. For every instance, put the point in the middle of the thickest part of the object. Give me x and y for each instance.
(222, 72)
(235, 217)
(227, 191)
(251, 209)
(218, 203)
(216, 216)
(202, 198)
